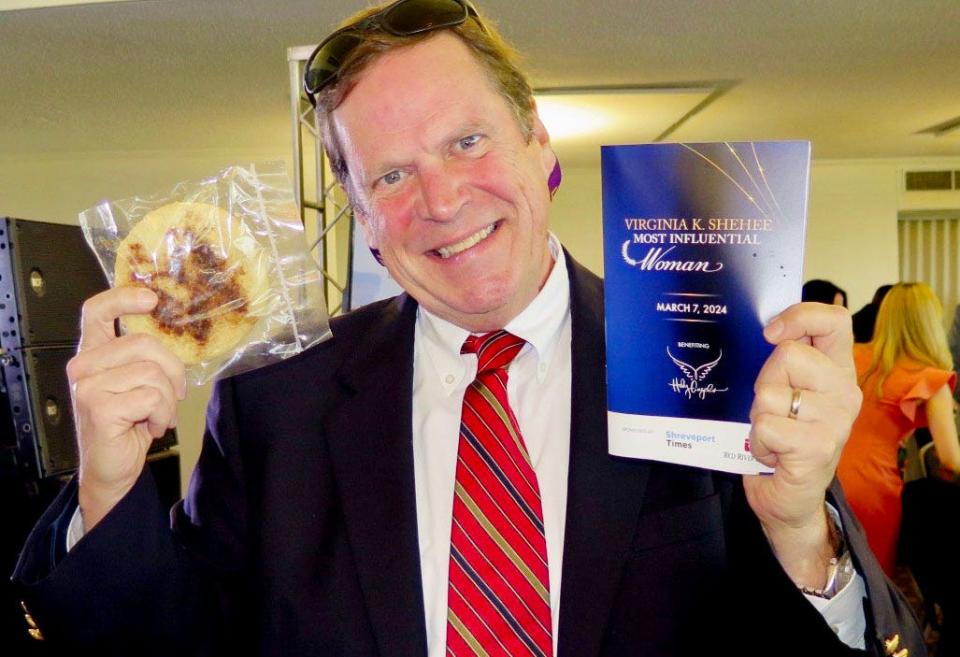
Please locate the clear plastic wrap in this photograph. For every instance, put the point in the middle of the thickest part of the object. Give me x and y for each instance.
(228, 260)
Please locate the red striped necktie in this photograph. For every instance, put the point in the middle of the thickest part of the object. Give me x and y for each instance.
(499, 591)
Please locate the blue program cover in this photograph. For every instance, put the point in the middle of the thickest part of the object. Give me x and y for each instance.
(703, 245)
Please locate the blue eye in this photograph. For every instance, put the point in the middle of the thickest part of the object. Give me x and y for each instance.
(468, 142)
(391, 178)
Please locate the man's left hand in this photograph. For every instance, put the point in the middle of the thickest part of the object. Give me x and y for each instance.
(813, 355)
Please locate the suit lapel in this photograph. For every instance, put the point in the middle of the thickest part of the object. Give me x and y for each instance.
(604, 493)
(370, 437)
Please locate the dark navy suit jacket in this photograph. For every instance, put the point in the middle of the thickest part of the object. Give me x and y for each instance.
(299, 532)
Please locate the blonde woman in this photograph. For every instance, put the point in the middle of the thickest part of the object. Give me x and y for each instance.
(906, 375)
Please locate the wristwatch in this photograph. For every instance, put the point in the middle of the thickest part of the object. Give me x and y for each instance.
(839, 569)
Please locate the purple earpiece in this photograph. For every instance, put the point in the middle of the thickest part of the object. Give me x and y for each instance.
(555, 177)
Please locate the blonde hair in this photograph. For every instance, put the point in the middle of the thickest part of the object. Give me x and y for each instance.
(909, 325)
(499, 59)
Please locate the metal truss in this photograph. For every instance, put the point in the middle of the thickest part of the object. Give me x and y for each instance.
(324, 210)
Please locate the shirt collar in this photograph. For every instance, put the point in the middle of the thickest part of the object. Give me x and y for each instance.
(539, 324)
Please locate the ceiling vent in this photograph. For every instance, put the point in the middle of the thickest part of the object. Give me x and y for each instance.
(927, 181)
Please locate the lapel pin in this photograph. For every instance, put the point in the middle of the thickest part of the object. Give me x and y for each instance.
(891, 645)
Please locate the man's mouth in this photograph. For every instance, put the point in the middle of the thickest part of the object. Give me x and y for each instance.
(464, 244)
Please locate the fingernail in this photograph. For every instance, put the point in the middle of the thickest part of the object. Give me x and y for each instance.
(773, 330)
(146, 296)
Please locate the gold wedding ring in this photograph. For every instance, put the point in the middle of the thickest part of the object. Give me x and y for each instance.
(795, 404)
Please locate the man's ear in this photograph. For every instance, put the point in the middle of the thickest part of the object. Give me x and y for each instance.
(548, 159)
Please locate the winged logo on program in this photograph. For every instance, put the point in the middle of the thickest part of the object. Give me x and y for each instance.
(695, 376)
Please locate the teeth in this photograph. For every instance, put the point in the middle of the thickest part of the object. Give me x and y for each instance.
(463, 245)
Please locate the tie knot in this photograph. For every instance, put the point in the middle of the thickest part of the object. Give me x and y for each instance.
(494, 350)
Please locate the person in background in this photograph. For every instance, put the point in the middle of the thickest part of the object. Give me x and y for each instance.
(865, 318)
(954, 340)
(906, 375)
(821, 291)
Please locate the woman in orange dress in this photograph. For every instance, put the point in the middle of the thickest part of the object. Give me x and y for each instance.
(906, 375)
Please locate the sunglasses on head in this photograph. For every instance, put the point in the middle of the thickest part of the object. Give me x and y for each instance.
(402, 18)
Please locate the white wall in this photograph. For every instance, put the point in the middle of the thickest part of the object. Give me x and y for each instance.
(57, 187)
(852, 227)
(577, 215)
(852, 220)
(851, 237)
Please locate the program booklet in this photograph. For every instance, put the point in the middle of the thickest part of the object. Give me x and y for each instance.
(703, 245)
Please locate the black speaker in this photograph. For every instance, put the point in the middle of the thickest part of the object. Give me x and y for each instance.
(46, 272)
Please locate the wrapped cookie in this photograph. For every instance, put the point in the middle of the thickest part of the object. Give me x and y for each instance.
(227, 259)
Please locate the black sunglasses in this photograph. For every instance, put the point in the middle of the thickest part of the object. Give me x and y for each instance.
(402, 18)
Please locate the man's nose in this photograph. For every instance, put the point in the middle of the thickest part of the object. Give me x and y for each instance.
(443, 190)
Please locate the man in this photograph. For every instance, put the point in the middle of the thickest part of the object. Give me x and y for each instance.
(335, 510)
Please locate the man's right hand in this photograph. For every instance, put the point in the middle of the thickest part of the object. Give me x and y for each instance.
(125, 392)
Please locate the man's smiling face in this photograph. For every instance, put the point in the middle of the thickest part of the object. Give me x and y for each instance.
(446, 184)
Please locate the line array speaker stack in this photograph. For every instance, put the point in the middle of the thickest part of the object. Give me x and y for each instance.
(47, 271)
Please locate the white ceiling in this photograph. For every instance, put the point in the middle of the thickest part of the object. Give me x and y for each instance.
(10, 5)
(858, 78)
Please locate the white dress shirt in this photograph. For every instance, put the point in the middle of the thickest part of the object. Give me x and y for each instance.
(539, 390)
(538, 387)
